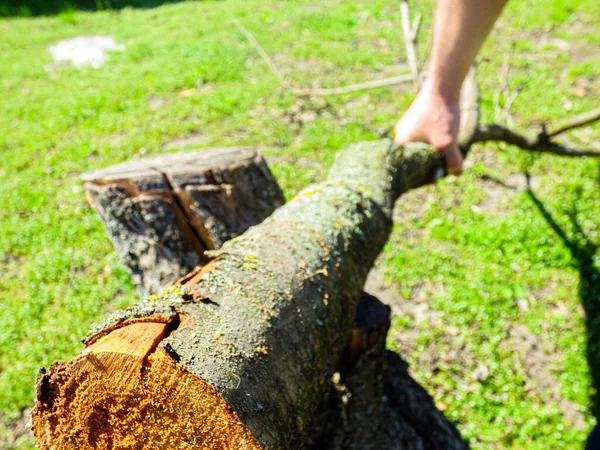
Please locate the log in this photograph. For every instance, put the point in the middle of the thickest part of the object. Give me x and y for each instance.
(358, 410)
(162, 213)
(253, 336)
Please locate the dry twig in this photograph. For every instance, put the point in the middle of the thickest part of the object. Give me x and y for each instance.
(261, 51)
(575, 122)
(410, 40)
(540, 143)
(401, 79)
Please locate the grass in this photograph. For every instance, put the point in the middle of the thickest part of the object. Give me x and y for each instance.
(483, 259)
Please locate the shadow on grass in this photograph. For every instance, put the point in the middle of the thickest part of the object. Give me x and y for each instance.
(375, 403)
(583, 251)
(27, 8)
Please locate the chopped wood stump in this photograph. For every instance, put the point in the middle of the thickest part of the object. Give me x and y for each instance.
(141, 399)
(162, 213)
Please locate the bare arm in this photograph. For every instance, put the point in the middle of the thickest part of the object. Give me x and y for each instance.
(460, 29)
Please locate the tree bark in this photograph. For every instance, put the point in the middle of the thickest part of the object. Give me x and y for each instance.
(163, 213)
(258, 331)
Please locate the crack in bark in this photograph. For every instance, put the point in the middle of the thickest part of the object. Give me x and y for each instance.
(204, 241)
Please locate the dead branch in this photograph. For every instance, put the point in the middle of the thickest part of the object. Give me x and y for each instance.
(401, 79)
(416, 27)
(261, 51)
(502, 114)
(540, 143)
(410, 40)
(575, 122)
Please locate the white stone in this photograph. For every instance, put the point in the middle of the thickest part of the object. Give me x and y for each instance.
(82, 51)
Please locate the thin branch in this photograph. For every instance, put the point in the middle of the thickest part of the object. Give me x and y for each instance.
(502, 114)
(261, 51)
(575, 122)
(540, 143)
(497, 109)
(415, 28)
(508, 105)
(410, 40)
(401, 79)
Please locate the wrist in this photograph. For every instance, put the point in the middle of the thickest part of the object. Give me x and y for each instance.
(445, 91)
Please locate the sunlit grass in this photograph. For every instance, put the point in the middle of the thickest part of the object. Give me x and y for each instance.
(60, 274)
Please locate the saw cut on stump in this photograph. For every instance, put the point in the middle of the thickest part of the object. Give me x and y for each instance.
(163, 213)
(258, 332)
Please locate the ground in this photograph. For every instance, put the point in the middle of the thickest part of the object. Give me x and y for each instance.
(488, 281)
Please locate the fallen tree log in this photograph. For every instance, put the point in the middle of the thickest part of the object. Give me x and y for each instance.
(239, 354)
(162, 213)
(360, 409)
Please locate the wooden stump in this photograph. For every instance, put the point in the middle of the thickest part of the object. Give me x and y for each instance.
(163, 213)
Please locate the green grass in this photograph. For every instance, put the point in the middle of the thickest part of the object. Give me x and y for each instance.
(60, 274)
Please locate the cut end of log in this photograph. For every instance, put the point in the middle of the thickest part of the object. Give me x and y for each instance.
(123, 391)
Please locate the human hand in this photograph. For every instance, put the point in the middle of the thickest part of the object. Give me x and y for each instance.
(434, 120)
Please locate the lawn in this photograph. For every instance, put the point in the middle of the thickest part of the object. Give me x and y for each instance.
(491, 280)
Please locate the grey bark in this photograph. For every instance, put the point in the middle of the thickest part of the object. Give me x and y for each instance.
(163, 213)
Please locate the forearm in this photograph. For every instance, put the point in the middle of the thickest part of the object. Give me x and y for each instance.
(460, 29)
